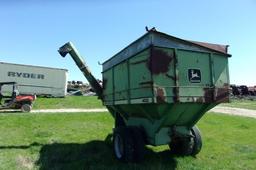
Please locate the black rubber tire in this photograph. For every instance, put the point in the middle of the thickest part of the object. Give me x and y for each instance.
(123, 144)
(181, 146)
(109, 139)
(139, 143)
(26, 108)
(197, 140)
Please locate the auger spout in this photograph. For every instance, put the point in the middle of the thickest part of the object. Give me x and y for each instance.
(70, 48)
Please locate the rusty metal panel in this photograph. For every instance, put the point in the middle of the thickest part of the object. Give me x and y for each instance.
(164, 75)
(155, 38)
(217, 47)
(161, 66)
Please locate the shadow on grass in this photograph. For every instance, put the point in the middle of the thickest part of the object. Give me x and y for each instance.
(97, 155)
(34, 144)
(92, 155)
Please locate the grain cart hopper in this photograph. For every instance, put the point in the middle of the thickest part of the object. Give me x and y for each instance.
(157, 89)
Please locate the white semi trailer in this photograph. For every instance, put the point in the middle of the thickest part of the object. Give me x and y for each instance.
(37, 80)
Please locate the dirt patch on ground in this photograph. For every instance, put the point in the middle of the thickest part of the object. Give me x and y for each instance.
(234, 111)
(25, 162)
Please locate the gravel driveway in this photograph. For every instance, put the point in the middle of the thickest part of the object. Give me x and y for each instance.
(217, 109)
(234, 111)
(68, 110)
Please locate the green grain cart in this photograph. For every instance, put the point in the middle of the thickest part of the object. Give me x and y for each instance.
(157, 89)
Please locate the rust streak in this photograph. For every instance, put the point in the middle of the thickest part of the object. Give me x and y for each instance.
(159, 61)
(200, 100)
(222, 95)
(176, 94)
(160, 97)
(208, 95)
(217, 95)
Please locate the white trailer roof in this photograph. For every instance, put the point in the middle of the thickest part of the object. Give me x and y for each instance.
(34, 66)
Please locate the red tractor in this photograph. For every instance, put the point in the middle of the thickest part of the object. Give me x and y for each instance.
(13, 100)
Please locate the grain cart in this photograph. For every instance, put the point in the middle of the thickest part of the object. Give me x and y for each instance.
(157, 89)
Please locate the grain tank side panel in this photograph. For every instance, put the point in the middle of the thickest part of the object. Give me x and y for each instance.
(121, 83)
(129, 82)
(140, 78)
(194, 76)
(220, 72)
(108, 94)
(221, 78)
(162, 68)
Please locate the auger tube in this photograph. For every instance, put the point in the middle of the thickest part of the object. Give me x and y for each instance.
(70, 48)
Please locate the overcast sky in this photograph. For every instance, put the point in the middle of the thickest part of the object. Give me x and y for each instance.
(32, 31)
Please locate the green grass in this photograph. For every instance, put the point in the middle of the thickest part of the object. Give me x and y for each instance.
(241, 103)
(68, 102)
(77, 141)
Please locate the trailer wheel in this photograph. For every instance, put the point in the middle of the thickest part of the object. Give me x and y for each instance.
(197, 140)
(181, 146)
(26, 108)
(123, 144)
(139, 143)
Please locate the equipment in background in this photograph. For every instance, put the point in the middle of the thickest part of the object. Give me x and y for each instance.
(13, 100)
(42, 81)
